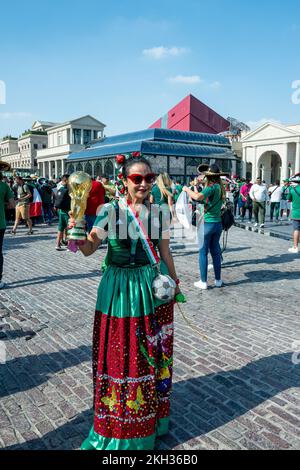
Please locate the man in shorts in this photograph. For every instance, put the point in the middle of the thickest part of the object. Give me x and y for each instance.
(23, 205)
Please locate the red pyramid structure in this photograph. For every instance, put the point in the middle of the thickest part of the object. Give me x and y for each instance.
(191, 114)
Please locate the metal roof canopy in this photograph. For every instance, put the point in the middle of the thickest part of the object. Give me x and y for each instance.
(159, 142)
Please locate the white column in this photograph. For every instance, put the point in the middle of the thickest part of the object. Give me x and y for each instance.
(233, 167)
(284, 162)
(255, 169)
(56, 169)
(297, 159)
(50, 169)
(71, 136)
(244, 160)
(63, 166)
(81, 136)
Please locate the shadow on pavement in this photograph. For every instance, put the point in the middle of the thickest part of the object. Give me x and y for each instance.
(199, 405)
(45, 279)
(26, 372)
(273, 259)
(265, 275)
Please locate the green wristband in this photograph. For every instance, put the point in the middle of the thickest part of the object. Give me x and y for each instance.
(180, 298)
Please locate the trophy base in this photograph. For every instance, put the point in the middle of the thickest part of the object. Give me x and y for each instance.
(78, 232)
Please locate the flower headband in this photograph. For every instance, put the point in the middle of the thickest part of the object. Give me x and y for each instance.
(119, 162)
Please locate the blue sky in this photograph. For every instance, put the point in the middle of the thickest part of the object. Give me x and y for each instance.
(127, 62)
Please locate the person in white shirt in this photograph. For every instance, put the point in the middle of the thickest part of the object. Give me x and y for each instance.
(259, 195)
(275, 193)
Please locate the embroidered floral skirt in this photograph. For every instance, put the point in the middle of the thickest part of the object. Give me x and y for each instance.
(132, 362)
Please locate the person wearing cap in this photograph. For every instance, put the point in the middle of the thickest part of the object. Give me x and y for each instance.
(23, 205)
(212, 196)
(294, 197)
(260, 196)
(285, 205)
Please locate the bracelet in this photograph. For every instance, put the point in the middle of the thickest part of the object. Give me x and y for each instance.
(177, 282)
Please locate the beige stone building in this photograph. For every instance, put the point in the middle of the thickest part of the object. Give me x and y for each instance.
(22, 152)
(271, 151)
(46, 146)
(64, 139)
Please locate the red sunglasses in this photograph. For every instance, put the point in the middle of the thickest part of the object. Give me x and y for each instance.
(136, 178)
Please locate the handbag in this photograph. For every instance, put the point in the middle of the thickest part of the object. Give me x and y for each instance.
(163, 286)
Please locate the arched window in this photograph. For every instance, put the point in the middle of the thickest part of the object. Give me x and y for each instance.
(70, 168)
(98, 168)
(88, 169)
(79, 167)
(109, 169)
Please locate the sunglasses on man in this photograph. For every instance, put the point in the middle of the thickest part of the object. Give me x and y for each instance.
(136, 178)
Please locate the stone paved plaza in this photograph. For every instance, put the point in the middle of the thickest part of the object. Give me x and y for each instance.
(237, 389)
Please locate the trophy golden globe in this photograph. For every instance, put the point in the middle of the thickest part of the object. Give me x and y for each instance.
(80, 184)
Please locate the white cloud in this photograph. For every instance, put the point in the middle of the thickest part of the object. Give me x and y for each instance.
(215, 85)
(17, 115)
(162, 52)
(255, 124)
(187, 79)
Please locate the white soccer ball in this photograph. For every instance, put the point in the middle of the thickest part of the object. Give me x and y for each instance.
(164, 287)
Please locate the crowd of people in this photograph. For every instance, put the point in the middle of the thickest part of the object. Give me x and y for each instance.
(55, 202)
(255, 197)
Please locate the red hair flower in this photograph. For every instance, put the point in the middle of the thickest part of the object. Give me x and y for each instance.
(120, 159)
(136, 154)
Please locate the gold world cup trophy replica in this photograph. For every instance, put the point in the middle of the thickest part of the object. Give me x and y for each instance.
(80, 184)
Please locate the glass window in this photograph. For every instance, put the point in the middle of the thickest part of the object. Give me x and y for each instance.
(77, 136)
(36, 146)
(44, 146)
(95, 135)
(87, 136)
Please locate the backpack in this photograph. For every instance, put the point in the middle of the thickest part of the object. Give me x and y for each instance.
(63, 199)
(31, 189)
(227, 217)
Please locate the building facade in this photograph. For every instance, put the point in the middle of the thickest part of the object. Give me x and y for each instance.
(22, 152)
(63, 140)
(175, 152)
(272, 152)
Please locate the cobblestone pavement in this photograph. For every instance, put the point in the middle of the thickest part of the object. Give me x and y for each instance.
(238, 389)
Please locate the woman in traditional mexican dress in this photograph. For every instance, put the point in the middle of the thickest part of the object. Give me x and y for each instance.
(133, 331)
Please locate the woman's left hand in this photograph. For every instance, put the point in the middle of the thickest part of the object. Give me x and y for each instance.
(177, 290)
(185, 189)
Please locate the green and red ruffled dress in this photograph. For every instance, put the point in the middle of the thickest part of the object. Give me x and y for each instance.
(132, 348)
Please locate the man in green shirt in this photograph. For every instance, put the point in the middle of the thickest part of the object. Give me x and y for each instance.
(6, 197)
(294, 197)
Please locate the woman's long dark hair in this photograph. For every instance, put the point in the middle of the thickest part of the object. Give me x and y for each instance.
(216, 180)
